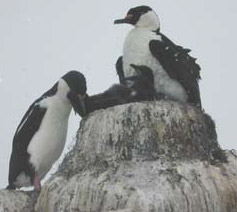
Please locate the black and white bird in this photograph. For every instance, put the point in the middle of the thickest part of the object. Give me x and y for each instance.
(40, 137)
(176, 73)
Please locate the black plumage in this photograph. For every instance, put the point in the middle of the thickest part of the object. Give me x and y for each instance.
(52, 109)
(179, 65)
(119, 69)
(139, 87)
(176, 73)
(29, 125)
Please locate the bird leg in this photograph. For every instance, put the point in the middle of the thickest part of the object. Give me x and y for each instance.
(36, 182)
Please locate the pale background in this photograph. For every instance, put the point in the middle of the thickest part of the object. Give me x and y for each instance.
(40, 40)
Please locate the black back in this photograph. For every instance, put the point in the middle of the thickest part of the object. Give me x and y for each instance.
(29, 125)
(179, 65)
(20, 158)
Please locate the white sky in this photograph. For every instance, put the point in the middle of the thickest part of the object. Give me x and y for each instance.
(41, 40)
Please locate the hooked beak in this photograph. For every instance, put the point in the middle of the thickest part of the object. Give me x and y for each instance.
(126, 20)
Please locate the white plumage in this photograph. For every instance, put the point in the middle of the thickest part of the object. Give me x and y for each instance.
(40, 137)
(136, 51)
(47, 144)
(175, 72)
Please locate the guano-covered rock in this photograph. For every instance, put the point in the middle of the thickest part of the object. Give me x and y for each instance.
(156, 156)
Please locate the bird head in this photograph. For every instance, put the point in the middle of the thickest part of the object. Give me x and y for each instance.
(142, 16)
(144, 72)
(77, 93)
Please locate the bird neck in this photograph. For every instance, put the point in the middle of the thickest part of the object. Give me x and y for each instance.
(149, 21)
(62, 91)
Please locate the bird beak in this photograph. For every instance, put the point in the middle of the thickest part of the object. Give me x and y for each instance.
(126, 20)
(81, 105)
(136, 68)
(78, 103)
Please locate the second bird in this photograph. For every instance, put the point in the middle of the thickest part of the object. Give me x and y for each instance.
(176, 74)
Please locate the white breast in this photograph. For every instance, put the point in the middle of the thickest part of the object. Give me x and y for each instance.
(136, 51)
(47, 144)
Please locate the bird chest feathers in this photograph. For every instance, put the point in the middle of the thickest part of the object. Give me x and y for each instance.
(40, 137)
(136, 51)
(48, 143)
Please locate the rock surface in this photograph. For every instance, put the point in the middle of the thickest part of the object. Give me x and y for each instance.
(17, 201)
(141, 157)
